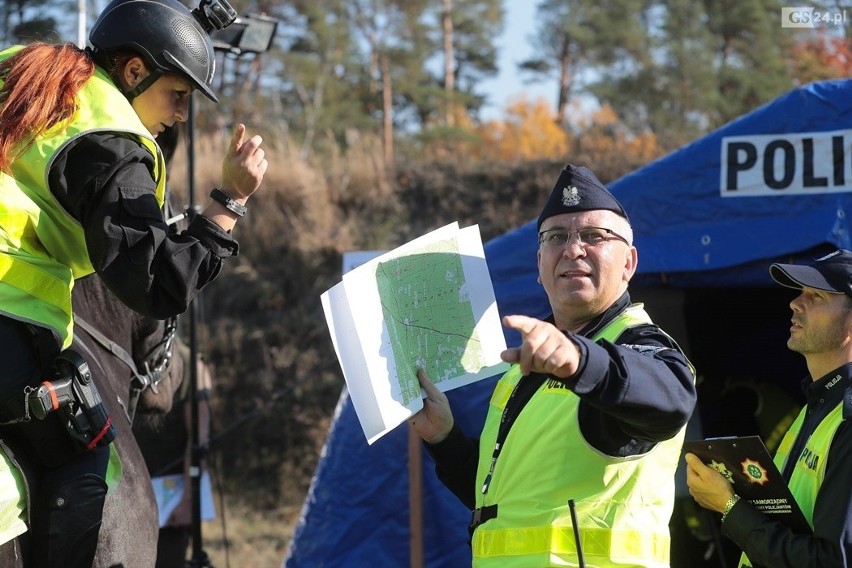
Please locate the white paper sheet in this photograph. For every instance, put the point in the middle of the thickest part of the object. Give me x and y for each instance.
(429, 304)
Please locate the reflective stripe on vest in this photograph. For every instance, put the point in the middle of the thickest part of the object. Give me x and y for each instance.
(596, 543)
(42, 247)
(533, 524)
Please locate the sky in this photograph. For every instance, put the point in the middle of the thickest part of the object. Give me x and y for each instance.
(513, 48)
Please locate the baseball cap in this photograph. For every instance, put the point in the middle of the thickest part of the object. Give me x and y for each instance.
(831, 273)
(577, 189)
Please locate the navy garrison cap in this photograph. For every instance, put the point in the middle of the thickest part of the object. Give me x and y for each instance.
(577, 189)
(831, 273)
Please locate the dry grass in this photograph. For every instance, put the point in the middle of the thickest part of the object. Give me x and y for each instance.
(297, 196)
(248, 538)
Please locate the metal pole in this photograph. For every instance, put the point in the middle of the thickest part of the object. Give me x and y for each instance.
(415, 499)
(199, 557)
(81, 23)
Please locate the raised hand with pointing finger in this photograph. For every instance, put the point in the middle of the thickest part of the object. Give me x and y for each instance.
(244, 165)
(544, 348)
(243, 169)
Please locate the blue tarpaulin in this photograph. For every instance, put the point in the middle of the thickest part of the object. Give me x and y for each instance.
(775, 184)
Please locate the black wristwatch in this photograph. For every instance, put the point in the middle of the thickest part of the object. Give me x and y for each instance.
(226, 201)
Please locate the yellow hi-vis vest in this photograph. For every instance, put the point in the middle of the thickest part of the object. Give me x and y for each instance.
(809, 470)
(623, 505)
(42, 247)
(13, 498)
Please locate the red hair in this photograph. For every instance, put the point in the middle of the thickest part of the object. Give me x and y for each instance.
(40, 86)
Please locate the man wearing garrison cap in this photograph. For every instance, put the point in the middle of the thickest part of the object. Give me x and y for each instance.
(577, 457)
(815, 455)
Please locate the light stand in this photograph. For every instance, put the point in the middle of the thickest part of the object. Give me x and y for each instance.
(199, 557)
(249, 34)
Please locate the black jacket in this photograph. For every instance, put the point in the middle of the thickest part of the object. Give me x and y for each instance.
(104, 181)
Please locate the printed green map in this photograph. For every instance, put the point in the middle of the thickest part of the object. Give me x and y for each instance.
(428, 315)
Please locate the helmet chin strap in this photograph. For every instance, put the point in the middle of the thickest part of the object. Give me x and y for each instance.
(104, 61)
(143, 85)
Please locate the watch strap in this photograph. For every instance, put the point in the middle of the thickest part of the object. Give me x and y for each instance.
(227, 202)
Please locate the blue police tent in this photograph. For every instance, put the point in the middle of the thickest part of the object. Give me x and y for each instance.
(773, 185)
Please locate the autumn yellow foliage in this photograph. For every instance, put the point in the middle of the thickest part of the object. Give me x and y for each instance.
(529, 132)
(603, 134)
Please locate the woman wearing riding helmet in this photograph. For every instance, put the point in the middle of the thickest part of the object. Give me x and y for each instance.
(82, 183)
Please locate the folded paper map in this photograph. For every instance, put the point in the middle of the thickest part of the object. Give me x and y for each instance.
(427, 304)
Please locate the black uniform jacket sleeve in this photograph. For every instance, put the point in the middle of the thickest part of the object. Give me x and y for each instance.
(634, 394)
(104, 180)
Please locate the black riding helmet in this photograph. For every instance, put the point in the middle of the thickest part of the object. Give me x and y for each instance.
(166, 34)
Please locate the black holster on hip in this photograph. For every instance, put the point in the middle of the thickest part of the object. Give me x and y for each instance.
(66, 401)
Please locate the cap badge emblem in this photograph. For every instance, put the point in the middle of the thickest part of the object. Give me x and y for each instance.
(570, 196)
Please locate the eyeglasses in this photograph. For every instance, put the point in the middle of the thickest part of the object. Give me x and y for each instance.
(588, 236)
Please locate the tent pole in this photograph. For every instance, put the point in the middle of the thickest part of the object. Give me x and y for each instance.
(415, 498)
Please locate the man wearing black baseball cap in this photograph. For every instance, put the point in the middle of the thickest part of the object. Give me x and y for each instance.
(830, 273)
(590, 418)
(815, 456)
